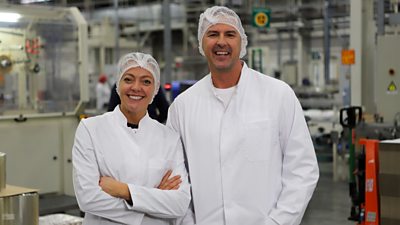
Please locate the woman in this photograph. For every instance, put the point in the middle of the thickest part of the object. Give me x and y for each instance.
(120, 157)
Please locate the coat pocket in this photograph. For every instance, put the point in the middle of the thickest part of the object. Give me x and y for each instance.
(157, 169)
(259, 140)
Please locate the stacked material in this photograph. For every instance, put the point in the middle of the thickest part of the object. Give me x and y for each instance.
(18, 205)
(60, 219)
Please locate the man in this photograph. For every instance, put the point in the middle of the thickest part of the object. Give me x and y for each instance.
(249, 152)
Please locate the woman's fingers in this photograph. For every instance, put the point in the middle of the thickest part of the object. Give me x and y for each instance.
(176, 184)
(165, 177)
(168, 183)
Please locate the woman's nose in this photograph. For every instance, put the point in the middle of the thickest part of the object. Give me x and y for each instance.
(135, 85)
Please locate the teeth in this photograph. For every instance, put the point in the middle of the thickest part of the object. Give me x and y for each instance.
(222, 53)
(135, 97)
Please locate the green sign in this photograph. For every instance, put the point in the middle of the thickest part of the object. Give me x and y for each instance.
(261, 17)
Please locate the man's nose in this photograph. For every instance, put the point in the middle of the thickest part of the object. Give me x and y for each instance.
(221, 39)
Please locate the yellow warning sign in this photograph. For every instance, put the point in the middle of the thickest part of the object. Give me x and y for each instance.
(392, 88)
(261, 17)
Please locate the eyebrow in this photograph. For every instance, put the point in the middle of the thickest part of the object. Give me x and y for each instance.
(140, 75)
(228, 31)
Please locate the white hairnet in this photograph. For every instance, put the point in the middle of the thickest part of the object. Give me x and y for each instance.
(220, 14)
(138, 59)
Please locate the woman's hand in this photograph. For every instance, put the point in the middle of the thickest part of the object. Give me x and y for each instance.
(115, 188)
(170, 183)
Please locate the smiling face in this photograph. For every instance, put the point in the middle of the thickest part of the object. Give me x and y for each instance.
(136, 92)
(221, 45)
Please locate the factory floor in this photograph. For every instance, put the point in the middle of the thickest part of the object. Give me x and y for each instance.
(330, 204)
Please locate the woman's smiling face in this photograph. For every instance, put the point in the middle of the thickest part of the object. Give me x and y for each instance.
(136, 89)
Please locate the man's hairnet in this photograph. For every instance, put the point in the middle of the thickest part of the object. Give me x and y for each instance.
(220, 14)
(138, 59)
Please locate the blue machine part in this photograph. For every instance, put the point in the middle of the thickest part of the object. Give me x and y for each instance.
(178, 87)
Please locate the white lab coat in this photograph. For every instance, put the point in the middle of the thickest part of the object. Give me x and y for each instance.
(105, 146)
(251, 163)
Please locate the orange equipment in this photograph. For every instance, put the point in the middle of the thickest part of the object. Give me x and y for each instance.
(371, 204)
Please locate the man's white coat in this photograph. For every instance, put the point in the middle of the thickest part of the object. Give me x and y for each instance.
(252, 162)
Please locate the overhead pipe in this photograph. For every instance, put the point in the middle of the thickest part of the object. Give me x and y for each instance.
(327, 41)
(167, 43)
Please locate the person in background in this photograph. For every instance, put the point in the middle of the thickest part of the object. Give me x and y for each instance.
(249, 152)
(102, 92)
(127, 167)
(158, 109)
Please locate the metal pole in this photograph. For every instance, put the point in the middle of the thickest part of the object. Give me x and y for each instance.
(167, 43)
(3, 173)
(381, 17)
(279, 49)
(291, 42)
(117, 31)
(327, 40)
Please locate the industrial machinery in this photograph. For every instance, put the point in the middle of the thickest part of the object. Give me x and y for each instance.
(365, 166)
(177, 87)
(387, 77)
(43, 89)
(368, 188)
(349, 118)
(387, 83)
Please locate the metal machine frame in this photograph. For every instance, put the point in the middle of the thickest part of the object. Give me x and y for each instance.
(38, 145)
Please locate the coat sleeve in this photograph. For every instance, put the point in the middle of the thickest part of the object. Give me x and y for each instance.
(172, 119)
(164, 203)
(86, 175)
(172, 122)
(300, 171)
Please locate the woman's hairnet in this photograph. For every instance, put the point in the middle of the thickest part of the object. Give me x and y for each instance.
(138, 59)
(220, 14)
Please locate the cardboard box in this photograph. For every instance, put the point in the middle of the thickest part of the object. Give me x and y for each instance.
(11, 190)
(389, 182)
(19, 205)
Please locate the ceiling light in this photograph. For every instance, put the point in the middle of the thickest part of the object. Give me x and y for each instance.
(9, 17)
(33, 1)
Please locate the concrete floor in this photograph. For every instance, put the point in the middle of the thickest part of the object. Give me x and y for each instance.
(330, 204)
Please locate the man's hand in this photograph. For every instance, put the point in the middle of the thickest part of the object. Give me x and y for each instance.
(115, 188)
(170, 183)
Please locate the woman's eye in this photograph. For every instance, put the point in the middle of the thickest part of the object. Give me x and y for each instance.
(147, 82)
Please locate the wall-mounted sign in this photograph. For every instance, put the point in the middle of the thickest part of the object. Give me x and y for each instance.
(348, 57)
(261, 17)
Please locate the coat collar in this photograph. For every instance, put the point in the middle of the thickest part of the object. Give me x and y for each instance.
(122, 121)
(243, 80)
